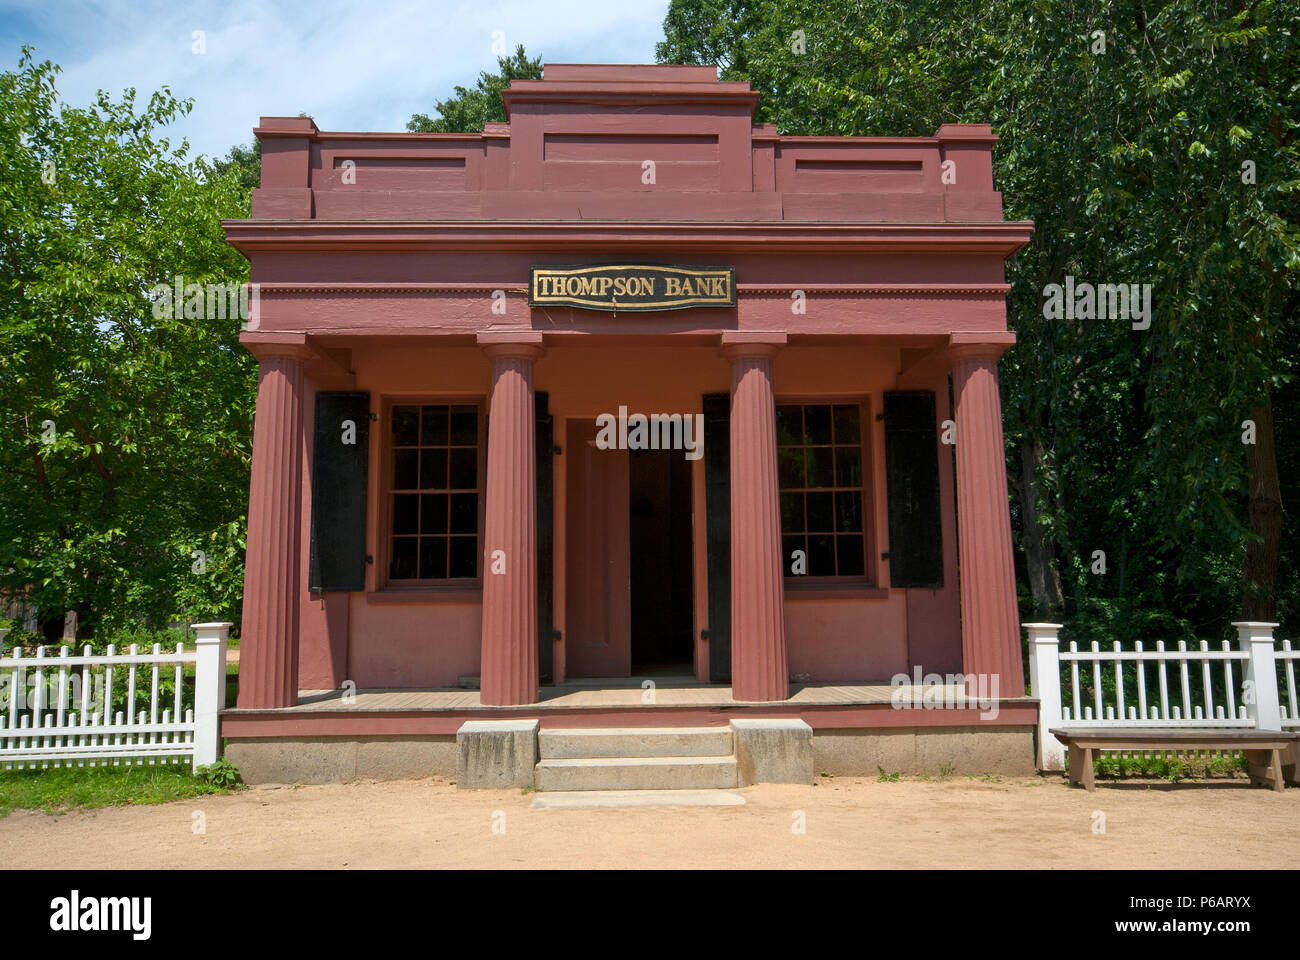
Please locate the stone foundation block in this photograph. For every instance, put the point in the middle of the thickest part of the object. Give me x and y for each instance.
(496, 753)
(773, 751)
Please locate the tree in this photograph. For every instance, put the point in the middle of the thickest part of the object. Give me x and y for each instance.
(127, 429)
(468, 110)
(244, 163)
(1125, 130)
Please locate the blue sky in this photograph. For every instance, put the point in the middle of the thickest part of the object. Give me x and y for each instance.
(351, 64)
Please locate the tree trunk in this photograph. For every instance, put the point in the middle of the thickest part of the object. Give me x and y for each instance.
(1259, 593)
(1044, 578)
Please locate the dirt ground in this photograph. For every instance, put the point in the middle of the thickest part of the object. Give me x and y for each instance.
(1014, 822)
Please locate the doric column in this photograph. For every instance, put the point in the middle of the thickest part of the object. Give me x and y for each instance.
(990, 623)
(758, 662)
(268, 671)
(509, 652)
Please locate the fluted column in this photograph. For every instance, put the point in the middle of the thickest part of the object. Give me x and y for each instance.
(268, 672)
(509, 651)
(990, 622)
(758, 661)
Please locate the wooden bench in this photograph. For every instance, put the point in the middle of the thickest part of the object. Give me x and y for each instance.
(1262, 748)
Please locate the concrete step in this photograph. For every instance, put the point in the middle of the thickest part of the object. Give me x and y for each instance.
(582, 799)
(635, 742)
(637, 773)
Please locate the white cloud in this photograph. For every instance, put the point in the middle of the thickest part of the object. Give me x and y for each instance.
(351, 64)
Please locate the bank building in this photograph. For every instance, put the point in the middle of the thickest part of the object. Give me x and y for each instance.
(794, 342)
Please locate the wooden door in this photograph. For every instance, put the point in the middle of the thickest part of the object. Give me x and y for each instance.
(598, 591)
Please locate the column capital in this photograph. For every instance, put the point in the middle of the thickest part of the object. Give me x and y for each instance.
(759, 344)
(512, 344)
(979, 346)
(277, 346)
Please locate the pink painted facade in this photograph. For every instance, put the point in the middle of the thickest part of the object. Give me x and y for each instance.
(398, 265)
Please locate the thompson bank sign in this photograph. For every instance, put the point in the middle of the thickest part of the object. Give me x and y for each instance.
(632, 287)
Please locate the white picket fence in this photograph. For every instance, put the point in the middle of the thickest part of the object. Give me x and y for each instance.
(1162, 687)
(54, 711)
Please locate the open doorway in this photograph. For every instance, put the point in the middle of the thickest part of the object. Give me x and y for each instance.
(659, 521)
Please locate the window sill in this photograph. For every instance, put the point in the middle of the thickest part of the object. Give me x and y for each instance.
(831, 590)
(469, 591)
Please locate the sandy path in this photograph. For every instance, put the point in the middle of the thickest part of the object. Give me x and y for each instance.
(850, 823)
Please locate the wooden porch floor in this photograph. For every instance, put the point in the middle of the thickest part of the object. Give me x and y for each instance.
(617, 692)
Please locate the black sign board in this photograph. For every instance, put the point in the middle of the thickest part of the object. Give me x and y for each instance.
(632, 287)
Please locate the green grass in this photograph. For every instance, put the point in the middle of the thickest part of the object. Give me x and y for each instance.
(64, 789)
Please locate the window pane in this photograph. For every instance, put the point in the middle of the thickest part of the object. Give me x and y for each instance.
(433, 513)
(821, 513)
(846, 424)
(433, 558)
(848, 511)
(433, 425)
(406, 426)
(464, 513)
(792, 512)
(820, 475)
(821, 556)
(433, 469)
(789, 545)
(464, 426)
(434, 533)
(402, 566)
(406, 466)
(406, 513)
(463, 472)
(817, 423)
(821, 467)
(849, 550)
(464, 557)
(789, 465)
(848, 467)
(789, 425)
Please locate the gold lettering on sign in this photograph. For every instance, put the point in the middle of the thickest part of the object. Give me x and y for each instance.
(633, 287)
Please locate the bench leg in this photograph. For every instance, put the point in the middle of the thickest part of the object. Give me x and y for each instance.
(1290, 768)
(1256, 765)
(1265, 768)
(1076, 765)
(1089, 755)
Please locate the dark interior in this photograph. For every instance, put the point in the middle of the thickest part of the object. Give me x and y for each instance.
(660, 520)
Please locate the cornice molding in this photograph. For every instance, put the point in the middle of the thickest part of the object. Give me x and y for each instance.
(979, 290)
(374, 236)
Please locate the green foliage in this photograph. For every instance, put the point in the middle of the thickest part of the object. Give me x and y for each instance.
(468, 110)
(127, 437)
(244, 163)
(1130, 165)
(1173, 769)
(222, 774)
(883, 777)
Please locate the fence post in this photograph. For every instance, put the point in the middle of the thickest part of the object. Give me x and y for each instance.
(1263, 704)
(1045, 684)
(209, 689)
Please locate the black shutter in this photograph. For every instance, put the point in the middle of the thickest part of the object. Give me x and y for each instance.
(717, 511)
(912, 473)
(338, 491)
(545, 539)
